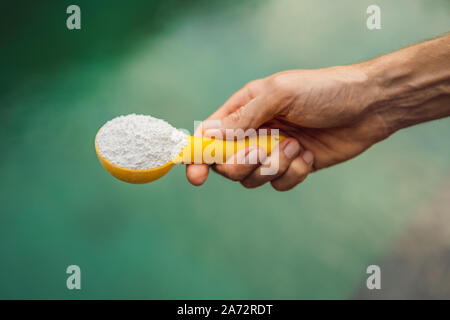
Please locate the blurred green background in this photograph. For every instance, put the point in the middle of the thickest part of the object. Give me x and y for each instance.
(179, 61)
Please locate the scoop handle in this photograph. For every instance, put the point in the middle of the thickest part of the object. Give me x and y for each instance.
(210, 150)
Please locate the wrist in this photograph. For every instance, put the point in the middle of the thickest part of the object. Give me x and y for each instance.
(386, 87)
(409, 86)
(366, 97)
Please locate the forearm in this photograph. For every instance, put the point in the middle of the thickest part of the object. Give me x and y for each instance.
(412, 85)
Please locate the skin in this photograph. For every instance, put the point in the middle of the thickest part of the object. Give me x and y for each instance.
(334, 114)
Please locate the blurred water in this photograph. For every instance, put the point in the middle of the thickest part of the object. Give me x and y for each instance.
(171, 240)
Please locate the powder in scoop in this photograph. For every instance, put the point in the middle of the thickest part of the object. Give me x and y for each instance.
(139, 142)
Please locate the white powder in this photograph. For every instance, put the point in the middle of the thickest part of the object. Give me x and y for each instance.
(139, 141)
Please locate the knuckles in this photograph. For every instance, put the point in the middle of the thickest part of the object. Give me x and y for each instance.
(280, 90)
(279, 83)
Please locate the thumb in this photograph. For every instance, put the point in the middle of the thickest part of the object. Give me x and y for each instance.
(250, 116)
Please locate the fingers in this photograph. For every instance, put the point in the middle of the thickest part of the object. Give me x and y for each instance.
(251, 115)
(275, 165)
(298, 170)
(286, 167)
(198, 173)
(247, 109)
(241, 164)
(237, 100)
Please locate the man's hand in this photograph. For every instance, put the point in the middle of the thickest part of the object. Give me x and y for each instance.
(322, 111)
(333, 114)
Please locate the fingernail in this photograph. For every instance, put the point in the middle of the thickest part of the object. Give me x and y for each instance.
(291, 149)
(308, 157)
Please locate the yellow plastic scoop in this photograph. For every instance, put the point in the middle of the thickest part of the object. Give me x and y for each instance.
(197, 150)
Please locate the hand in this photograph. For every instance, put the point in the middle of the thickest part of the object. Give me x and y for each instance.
(333, 114)
(324, 112)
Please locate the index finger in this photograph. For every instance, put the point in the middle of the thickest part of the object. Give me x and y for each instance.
(237, 100)
(197, 173)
